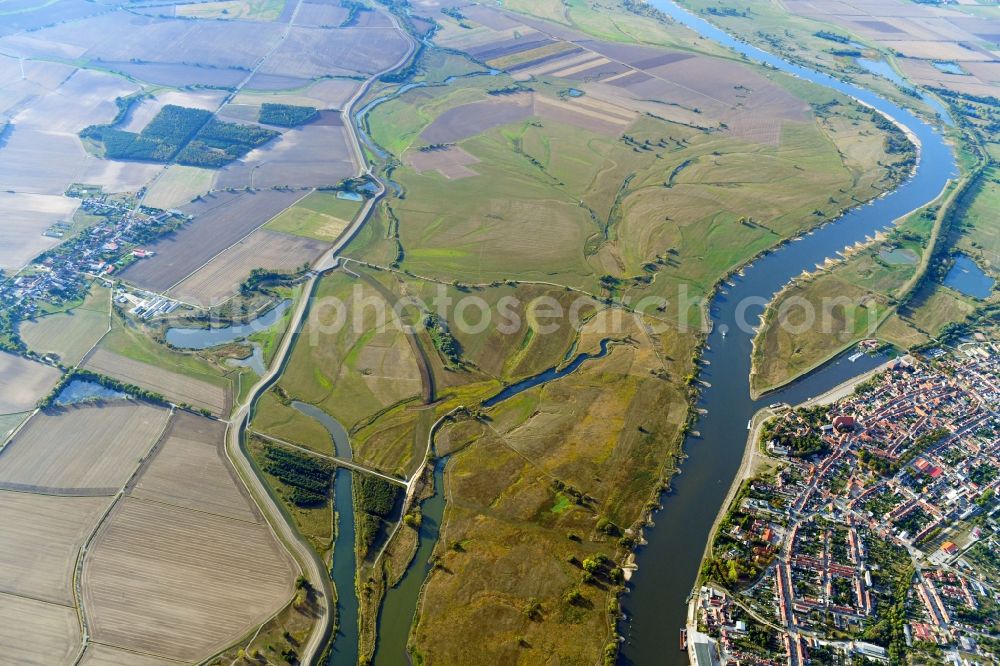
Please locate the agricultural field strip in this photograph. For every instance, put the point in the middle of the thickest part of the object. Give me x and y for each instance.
(237, 242)
(42, 539)
(107, 442)
(78, 569)
(184, 577)
(630, 69)
(35, 633)
(174, 386)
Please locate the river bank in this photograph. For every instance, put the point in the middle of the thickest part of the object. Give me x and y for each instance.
(670, 563)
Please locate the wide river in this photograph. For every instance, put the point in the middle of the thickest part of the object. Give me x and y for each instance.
(655, 606)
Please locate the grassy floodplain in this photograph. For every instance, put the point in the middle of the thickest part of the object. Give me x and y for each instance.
(526, 193)
(570, 205)
(894, 297)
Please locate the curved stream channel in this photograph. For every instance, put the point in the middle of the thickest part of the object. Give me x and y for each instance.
(655, 607)
(656, 604)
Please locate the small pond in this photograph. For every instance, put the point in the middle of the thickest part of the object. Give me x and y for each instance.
(254, 361)
(898, 256)
(948, 67)
(967, 277)
(203, 338)
(80, 390)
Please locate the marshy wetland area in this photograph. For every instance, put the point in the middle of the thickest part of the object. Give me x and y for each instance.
(348, 332)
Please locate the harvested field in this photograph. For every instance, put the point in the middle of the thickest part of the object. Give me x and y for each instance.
(42, 535)
(592, 114)
(275, 82)
(180, 583)
(29, 18)
(452, 162)
(316, 155)
(221, 219)
(936, 51)
(37, 162)
(35, 633)
(490, 18)
(190, 470)
(320, 14)
(323, 94)
(175, 387)
(25, 217)
(70, 335)
(467, 120)
(981, 80)
(561, 61)
(177, 74)
(103, 655)
(597, 72)
(492, 51)
(308, 53)
(123, 36)
(179, 185)
(592, 62)
(43, 154)
(87, 449)
(146, 110)
(220, 279)
(89, 95)
(23, 382)
(546, 54)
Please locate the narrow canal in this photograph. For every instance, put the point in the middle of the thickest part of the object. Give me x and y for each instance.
(344, 566)
(655, 606)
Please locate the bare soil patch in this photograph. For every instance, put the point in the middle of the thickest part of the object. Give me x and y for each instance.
(309, 53)
(104, 655)
(23, 382)
(220, 279)
(35, 633)
(189, 469)
(468, 120)
(221, 219)
(41, 537)
(451, 162)
(83, 449)
(315, 155)
(25, 217)
(180, 583)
